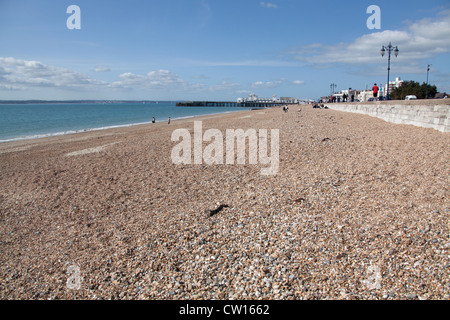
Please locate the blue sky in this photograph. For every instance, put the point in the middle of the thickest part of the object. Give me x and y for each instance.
(215, 49)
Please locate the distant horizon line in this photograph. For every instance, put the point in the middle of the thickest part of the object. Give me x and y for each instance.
(29, 101)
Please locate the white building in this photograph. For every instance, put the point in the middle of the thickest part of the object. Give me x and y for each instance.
(289, 100)
(254, 98)
(365, 95)
(251, 98)
(393, 84)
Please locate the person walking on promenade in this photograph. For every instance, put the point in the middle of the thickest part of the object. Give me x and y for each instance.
(375, 91)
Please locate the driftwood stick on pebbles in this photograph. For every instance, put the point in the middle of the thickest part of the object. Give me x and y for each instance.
(215, 211)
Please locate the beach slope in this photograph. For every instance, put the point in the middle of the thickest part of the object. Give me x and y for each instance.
(359, 209)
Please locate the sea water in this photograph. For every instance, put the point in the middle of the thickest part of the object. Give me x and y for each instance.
(31, 121)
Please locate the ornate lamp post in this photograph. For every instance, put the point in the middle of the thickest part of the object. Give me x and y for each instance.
(389, 49)
(426, 90)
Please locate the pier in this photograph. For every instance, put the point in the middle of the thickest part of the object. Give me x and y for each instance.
(247, 104)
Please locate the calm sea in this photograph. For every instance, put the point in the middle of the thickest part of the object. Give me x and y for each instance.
(32, 121)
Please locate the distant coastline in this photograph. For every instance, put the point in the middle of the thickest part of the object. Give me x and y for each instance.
(84, 101)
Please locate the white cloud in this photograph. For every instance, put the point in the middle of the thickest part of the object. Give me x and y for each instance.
(421, 39)
(101, 69)
(152, 80)
(298, 82)
(268, 5)
(17, 74)
(267, 84)
(224, 86)
(241, 63)
(20, 74)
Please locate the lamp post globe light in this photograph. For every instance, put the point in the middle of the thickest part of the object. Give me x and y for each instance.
(390, 49)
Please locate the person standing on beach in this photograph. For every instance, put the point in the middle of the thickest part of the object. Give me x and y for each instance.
(154, 120)
(375, 91)
(168, 121)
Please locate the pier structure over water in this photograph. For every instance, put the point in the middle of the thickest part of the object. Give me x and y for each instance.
(246, 104)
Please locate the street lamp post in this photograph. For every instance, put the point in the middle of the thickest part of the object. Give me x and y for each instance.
(333, 87)
(426, 90)
(390, 48)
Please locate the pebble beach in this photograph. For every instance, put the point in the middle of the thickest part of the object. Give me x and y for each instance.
(359, 210)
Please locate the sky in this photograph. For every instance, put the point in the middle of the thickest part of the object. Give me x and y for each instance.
(216, 49)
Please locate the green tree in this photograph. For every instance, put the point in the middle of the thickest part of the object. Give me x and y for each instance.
(413, 88)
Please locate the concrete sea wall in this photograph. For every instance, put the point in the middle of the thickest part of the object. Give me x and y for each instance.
(423, 113)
